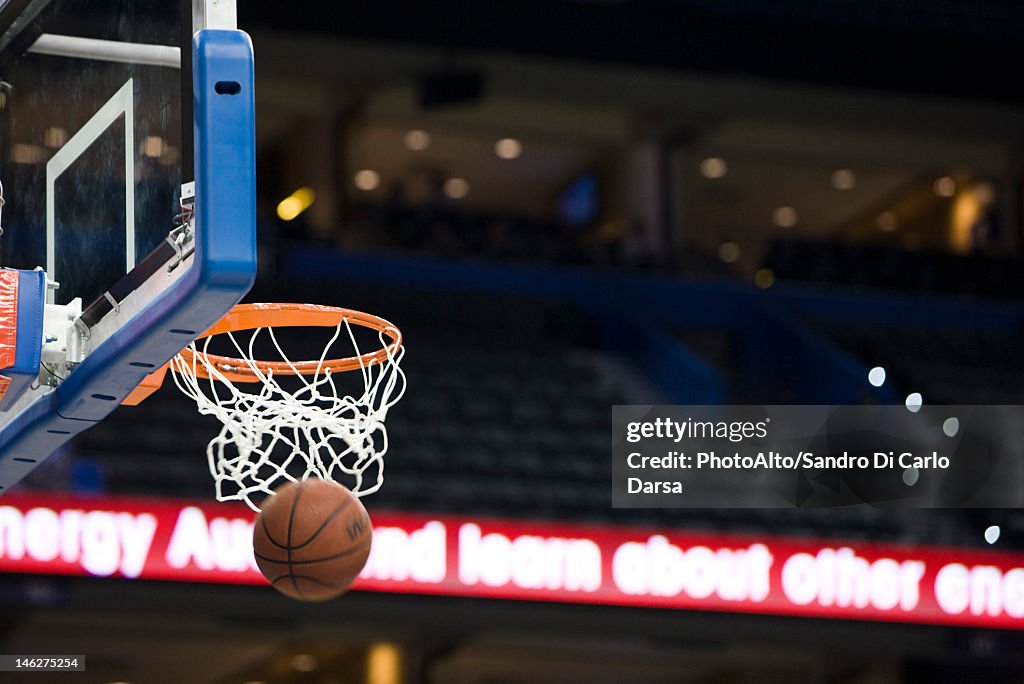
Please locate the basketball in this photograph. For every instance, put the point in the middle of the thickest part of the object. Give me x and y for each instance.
(312, 539)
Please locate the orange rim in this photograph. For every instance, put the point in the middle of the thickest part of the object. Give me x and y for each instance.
(253, 316)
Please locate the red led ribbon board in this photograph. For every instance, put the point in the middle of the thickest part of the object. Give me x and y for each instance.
(546, 561)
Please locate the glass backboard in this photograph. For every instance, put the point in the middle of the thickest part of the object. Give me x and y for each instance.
(92, 150)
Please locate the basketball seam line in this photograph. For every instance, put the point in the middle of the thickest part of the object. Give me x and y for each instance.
(293, 577)
(270, 538)
(312, 560)
(334, 514)
(338, 511)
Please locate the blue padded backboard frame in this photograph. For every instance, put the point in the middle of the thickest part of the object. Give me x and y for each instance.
(223, 270)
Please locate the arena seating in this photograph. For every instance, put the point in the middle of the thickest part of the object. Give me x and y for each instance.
(485, 428)
(446, 229)
(890, 267)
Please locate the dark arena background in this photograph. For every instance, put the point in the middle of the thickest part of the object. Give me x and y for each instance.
(565, 206)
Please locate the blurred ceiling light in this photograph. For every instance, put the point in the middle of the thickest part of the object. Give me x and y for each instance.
(911, 476)
(367, 180)
(729, 252)
(951, 426)
(288, 209)
(784, 217)
(714, 167)
(843, 179)
(886, 221)
(945, 187)
(764, 278)
(876, 376)
(992, 533)
(304, 662)
(417, 140)
(384, 664)
(508, 148)
(296, 203)
(456, 188)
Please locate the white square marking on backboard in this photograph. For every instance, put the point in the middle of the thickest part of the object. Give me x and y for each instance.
(122, 102)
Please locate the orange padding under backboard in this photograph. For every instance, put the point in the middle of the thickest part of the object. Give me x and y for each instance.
(151, 383)
(8, 317)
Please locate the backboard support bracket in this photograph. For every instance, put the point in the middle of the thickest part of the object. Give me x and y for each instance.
(214, 14)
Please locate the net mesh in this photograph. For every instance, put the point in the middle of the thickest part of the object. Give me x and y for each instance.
(272, 432)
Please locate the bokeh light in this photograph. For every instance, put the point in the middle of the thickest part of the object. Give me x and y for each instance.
(304, 662)
(764, 278)
(294, 204)
(456, 188)
(843, 179)
(784, 217)
(914, 402)
(729, 252)
(714, 167)
(887, 221)
(417, 140)
(945, 187)
(367, 180)
(508, 148)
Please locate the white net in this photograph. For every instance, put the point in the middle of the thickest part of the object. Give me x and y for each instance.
(310, 428)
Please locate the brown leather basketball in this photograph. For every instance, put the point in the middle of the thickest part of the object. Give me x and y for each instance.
(312, 539)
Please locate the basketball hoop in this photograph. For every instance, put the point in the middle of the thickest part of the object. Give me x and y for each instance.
(312, 430)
